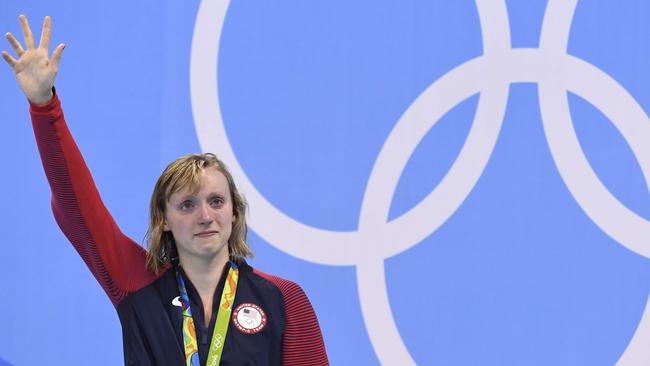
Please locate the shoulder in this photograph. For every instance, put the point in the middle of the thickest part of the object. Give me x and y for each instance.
(295, 300)
(293, 297)
(288, 289)
(302, 342)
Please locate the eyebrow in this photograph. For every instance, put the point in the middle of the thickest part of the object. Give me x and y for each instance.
(217, 194)
(210, 195)
(188, 197)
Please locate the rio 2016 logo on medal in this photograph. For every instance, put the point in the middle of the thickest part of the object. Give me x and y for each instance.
(380, 235)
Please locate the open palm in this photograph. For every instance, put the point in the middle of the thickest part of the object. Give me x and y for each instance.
(35, 71)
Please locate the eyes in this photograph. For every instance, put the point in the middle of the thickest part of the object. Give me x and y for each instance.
(188, 205)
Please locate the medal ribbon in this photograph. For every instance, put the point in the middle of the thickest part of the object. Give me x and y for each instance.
(220, 326)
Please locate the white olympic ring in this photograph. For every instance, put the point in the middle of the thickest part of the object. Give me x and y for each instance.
(491, 74)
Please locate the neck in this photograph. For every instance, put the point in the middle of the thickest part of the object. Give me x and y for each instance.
(204, 273)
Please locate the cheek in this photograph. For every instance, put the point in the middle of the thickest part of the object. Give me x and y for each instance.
(173, 222)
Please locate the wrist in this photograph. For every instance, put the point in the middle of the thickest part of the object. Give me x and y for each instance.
(41, 100)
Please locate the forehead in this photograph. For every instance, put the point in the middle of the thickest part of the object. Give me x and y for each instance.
(206, 181)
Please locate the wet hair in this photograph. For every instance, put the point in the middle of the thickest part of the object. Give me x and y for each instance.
(185, 172)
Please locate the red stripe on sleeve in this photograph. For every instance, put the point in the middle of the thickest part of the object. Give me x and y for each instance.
(115, 260)
(303, 342)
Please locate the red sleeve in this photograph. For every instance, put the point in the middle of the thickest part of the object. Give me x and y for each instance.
(303, 342)
(116, 261)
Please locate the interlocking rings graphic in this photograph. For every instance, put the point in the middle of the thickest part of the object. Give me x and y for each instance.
(491, 74)
(218, 341)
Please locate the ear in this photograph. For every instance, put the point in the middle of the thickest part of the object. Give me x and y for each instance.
(166, 227)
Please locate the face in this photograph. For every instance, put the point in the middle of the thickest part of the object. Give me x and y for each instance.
(201, 222)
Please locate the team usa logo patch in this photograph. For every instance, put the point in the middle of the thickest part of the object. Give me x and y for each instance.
(249, 318)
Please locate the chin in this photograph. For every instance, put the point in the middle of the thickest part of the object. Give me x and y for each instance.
(212, 250)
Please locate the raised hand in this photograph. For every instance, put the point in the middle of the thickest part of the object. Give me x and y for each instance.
(35, 72)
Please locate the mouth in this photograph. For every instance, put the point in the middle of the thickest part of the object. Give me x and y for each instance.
(207, 234)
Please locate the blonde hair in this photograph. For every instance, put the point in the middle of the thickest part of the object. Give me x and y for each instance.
(181, 173)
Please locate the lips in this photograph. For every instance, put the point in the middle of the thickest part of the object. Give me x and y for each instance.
(207, 234)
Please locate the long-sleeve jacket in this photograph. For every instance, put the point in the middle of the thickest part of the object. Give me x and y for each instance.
(151, 320)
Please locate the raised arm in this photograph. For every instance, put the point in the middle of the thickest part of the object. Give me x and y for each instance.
(116, 261)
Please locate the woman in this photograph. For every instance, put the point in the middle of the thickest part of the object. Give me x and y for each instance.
(191, 298)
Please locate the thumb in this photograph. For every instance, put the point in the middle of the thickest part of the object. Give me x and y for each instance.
(56, 55)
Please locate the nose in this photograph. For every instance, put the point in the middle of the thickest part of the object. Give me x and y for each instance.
(204, 215)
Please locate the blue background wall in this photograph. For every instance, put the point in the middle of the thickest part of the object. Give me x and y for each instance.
(309, 92)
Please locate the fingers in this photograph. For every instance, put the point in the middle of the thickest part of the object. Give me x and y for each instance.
(10, 60)
(56, 55)
(15, 44)
(27, 32)
(29, 42)
(45, 33)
